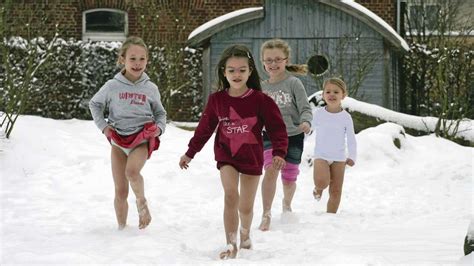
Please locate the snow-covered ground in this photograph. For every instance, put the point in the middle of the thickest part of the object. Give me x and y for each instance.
(400, 206)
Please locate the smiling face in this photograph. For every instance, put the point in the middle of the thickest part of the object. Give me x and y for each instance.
(274, 61)
(333, 95)
(237, 72)
(135, 62)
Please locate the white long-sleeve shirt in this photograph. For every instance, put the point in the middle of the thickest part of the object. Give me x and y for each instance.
(332, 130)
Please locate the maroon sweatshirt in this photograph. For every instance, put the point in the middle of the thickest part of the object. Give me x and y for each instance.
(239, 122)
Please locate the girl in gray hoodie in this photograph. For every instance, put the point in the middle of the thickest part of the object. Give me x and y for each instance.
(289, 94)
(135, 119)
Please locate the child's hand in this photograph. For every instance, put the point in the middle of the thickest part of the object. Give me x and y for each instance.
(278, 163)
(184, 162)
(350, 162)
(157, 132)
(108, 131)
(305, 127)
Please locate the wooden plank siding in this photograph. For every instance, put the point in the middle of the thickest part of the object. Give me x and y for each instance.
(313, 28)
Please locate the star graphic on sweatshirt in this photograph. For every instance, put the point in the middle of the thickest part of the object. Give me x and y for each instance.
(239, 130)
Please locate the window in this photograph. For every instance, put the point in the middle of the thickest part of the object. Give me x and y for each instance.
(318, 65)
(104, 25)
(427, 15)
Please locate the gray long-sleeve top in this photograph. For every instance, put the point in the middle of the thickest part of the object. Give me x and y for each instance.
(130, 104)
(290, 96)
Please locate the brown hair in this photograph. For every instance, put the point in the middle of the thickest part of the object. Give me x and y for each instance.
(338, 82)
(237, 51)
(132, 40)
(301, 69)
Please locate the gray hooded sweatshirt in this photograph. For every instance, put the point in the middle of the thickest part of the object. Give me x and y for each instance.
(130, 104)
(290, 96)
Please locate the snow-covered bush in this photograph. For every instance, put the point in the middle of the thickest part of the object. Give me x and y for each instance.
(435, 75)
(64, 86)
(439, 85)
(177, 72)
(17, 74)
(61, 89)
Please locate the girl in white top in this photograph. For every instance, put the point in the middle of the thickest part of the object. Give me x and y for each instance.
(334, 129)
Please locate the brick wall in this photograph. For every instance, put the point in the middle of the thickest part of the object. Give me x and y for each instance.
(43, 15)
(30, 18)
(386, 9)
(67, 14)
(178, 18)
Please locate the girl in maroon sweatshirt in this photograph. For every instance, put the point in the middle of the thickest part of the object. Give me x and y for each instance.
(239, 110)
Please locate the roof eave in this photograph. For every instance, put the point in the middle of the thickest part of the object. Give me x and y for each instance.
(391, 37)
(200, 38)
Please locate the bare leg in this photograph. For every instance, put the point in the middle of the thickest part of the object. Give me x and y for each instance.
(248, 190)
(335, 187)
(230, 182)
(321, 176)
(268, 194)
(289, 189)
(136, 161)
(119, 160)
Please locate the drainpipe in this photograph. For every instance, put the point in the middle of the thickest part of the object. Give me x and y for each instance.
(398, 15)
(401, 75)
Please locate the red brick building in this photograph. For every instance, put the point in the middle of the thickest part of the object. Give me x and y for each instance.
(138, 16)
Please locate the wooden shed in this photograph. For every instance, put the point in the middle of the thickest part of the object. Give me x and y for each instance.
(359, 45)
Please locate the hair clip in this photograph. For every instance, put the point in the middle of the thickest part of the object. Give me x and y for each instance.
(248, 54)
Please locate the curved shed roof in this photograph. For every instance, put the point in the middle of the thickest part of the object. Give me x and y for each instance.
(371, 19)
(208, 29)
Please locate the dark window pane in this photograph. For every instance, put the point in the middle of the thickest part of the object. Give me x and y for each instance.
(432, 13)
(416, 16)
(318, 65)
(429, 12)
(105, 21)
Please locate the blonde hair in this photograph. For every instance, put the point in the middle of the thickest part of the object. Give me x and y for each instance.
(301, 69)
(338, 82)
(132, 40)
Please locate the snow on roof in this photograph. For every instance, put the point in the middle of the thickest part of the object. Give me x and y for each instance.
(211, 27)
(377, 19)
(225, 17)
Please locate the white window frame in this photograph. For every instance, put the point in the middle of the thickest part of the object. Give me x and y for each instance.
(104, 36)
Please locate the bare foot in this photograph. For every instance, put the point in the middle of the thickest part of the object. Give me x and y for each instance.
(266, 220)
(121, 227)
(285, 207)
(229, 252)
(144, 217)
(317, 194)
(245, 241)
